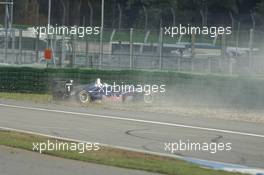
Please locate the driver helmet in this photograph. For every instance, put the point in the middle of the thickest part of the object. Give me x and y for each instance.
(98, 83)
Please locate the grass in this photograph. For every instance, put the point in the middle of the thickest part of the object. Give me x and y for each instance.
(38, 98)
(112, 157)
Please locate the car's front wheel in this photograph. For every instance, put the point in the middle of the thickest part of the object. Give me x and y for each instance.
(148, 98)
(84, 97)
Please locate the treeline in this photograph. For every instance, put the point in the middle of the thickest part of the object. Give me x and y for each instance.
(139, 13)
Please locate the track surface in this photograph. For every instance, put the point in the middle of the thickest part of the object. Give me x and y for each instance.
(26, 163)
(139, 130)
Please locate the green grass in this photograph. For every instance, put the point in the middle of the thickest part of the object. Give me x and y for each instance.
(112, 157)
(38, 98)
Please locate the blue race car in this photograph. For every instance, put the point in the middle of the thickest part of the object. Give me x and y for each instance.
(97, 92)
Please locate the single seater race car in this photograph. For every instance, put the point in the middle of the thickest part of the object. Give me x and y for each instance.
(97, 91)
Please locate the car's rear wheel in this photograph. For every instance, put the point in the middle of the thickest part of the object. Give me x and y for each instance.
(84, 97)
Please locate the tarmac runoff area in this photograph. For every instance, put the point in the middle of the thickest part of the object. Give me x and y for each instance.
(16, 161)
(141, 131)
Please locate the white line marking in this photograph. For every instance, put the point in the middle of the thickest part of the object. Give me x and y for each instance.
(135, 120)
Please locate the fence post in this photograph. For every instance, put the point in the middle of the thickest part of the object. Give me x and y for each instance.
(6, 44)
(120, 16)
(223, 53)
(20, 46)
(37, 48)
(86, 51)
(145, 41)
(101, 48)
(13, 40)
(13, 43)
(146, 18)
(63, 51)
(237, 38)
(192, 51)
(232, 23)
(55, 50)
(111, 42)
(74, 50)
(131, 49)
(251, 40)
(161, 49)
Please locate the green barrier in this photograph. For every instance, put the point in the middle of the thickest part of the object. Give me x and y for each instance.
(232, 89)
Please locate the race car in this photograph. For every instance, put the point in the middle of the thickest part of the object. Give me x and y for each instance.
(96, 91)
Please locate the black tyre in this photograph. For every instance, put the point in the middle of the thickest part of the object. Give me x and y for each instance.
(84, 97)
(148, 98)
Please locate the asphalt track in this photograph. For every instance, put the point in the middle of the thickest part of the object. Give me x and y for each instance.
(16, 161)
(139, 130)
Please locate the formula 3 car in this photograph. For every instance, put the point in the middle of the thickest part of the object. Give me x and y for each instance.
(96, 91)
